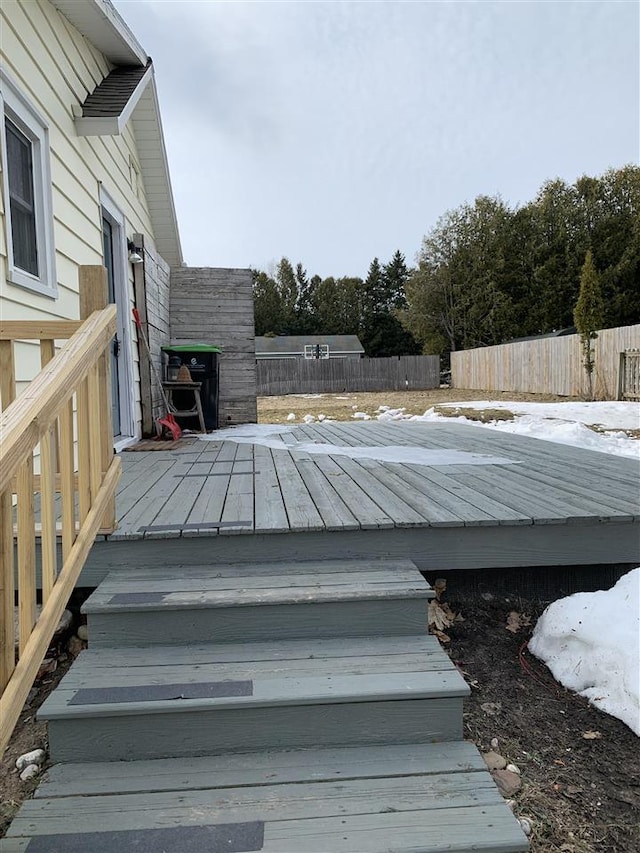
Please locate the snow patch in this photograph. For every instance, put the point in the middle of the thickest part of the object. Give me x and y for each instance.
(404, 455)
(590, 643)
(543, 423)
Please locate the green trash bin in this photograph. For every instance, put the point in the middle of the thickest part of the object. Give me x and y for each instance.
(202, 361)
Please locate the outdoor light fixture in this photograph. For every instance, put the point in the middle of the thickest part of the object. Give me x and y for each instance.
(134, 254)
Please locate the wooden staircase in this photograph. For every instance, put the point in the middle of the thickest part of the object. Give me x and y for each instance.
(274, 708)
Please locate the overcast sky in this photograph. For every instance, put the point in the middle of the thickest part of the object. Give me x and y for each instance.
(333, 132)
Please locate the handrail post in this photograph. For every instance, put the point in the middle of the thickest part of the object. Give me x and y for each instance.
(94, 297)
(43, 415)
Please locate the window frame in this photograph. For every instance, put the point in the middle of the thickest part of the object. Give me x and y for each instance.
(20, 112)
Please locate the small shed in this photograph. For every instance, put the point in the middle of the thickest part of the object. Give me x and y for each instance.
(308, 347)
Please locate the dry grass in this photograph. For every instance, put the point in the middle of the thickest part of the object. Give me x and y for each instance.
(274, 410)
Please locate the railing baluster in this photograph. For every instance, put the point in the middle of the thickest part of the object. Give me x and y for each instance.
(95, 450)
(106, 431)
(44, 417)
(7, 373)
(7, 591)
(47, 514)
(26, 553)
(84, 442)
(47, 352)
(67, 484)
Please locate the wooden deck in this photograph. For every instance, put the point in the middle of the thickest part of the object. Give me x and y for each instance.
(319, 731)
(544, 504)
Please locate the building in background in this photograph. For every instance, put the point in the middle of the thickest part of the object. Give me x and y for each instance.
(308, 347)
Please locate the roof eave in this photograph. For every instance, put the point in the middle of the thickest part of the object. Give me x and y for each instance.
(167, 239)
(113, 125)
(100, 23)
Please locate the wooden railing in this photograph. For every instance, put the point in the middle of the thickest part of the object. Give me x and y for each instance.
(62, 423)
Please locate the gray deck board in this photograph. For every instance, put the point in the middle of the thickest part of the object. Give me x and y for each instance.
(175, 511)
(291, 650)
(286, 802)
(301, 509)
(397, 568)
(186, 673)
(484, 830)
(334, 512)
(258, 491)
(402, 513)
(448, 487)
(338, 678)
(359, 503)
(270, 509)
(270, 768)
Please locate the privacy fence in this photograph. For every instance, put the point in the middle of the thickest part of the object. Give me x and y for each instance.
(551, 366)
(325, 376)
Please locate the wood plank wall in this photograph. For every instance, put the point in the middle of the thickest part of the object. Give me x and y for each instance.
(545, 366)
(215, 306)
(335, 375)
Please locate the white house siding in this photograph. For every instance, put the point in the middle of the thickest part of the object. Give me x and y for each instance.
(55, 68)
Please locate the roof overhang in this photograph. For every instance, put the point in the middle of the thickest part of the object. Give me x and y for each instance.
(109, 107)
(100, 23)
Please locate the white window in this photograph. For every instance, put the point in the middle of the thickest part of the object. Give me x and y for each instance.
(26, 177)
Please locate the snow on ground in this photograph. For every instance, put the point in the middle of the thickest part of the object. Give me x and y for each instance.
(565, 423)
(609, 415)
(590, 642)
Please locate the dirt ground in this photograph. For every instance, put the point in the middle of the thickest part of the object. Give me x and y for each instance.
(28, 734)
(580, 767)
(274, 410)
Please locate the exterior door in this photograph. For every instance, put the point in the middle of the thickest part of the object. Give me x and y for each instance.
(114, 245)
(107, 241)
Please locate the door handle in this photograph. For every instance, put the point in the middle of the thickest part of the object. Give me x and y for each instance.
(116, 346)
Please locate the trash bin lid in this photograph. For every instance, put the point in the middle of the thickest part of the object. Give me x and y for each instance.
(192, 348)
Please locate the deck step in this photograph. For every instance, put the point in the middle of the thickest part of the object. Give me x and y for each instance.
(215, 604)
(408, 797)
(178, 701)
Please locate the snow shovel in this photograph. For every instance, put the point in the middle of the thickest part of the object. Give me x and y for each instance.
(167, 420)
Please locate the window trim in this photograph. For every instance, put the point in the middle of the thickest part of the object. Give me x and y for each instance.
(18, 109)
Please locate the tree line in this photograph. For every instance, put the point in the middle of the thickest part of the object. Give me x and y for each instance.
(486, 273)
(288, 302)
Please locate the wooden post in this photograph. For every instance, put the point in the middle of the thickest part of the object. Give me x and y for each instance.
(621, 366)
(7, 591)
(94, 295)
(7, 373)
(26, 553)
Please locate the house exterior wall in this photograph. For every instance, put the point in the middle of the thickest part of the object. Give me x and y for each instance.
(215, 306)
(55, 67)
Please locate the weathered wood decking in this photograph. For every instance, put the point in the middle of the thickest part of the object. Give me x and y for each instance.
(221, 500)
(311, 735)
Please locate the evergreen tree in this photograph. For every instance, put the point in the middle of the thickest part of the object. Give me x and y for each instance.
(373, 292)
(288, 291)
(588, 315)
(394, 278)
(267, 304)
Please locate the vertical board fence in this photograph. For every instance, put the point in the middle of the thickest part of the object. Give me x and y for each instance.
(326, 376)
(546, 365)
(629, 375)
